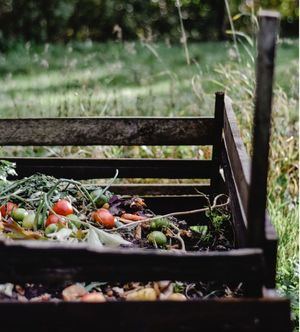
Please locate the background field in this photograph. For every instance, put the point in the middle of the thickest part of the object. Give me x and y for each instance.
(135, 78)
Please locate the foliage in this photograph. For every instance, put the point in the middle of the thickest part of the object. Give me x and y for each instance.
(6, 169)
(62, 20)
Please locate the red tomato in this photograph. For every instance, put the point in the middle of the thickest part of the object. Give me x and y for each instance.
(52, 219)
(7, 209)
(104, 217)
(63, 207)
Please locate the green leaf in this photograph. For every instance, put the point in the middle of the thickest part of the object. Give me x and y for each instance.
(200, 230)
(7, 168)
(93, 285)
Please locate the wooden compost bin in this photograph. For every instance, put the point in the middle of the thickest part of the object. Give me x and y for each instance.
(253, 262)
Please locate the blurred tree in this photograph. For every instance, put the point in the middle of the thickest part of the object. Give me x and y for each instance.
(61, 20)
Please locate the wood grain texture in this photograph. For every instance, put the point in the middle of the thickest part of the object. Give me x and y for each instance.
(267, 36)
(32, 261)
(236, 165)
(107, 131)
(237, 155)
(237, 211)
(145, 190)
(223, 315)
(87, 168)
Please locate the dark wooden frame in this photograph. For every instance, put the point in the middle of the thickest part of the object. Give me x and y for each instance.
(254, 260)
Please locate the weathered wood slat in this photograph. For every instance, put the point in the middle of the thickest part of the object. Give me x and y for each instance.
(239, 166)
(237, 212)
(240, 223)
(108, 131)
(270, 251)
(222, 315)
(237, 155)
(160, 189)
(87, 168)
(36, 261)
(267, 36)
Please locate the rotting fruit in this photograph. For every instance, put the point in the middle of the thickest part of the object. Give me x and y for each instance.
(104, 217)
(29, 220)
(99, 198)
(74, 220)
(7, 209)
(18, 214)
(63, 207)
(159, 224)
(53, 219)
(52, 228)
(157, 237)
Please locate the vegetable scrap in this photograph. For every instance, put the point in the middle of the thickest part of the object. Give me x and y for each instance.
(42, 207)
(45, 208)
(109, 292)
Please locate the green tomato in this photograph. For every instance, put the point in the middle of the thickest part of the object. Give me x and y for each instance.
(28, 221)
(159, 224)
(74, 220)
(99, 198)
(157, 237)
(18, 214)
(52, 228)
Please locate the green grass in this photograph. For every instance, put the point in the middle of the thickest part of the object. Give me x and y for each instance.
(153, 79)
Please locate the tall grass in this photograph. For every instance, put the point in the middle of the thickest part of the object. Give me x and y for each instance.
(283, 182)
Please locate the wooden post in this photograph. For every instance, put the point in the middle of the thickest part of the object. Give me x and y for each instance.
(269, 25)
(217, 145)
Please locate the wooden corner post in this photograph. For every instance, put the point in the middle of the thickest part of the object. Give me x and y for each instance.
(267, 36)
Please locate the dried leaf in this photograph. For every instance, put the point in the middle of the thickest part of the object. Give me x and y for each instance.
(111, 239)
(138, 232)
(6, 289)
(93, 239)
(17, 232)
(62, 235)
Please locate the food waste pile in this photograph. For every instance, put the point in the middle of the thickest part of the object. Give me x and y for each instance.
(44, 208)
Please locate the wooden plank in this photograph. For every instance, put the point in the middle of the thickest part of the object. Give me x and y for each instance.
(237, 211)
(267, 36)
(220, 315)
(145, 189)
(237, 155)
(219, 123)
(236, 169)
(108, 131)
(38, 261)
(270, 251)
(88, 168)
